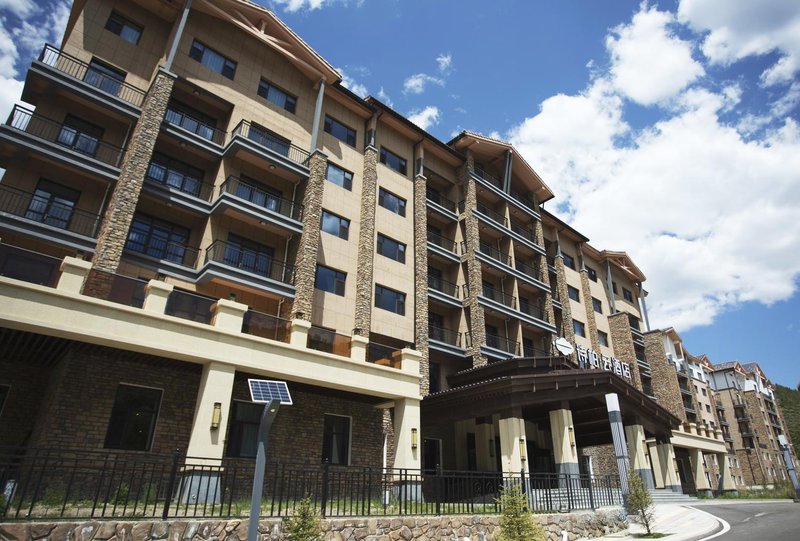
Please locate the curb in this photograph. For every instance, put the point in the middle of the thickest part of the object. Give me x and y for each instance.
(720, 526)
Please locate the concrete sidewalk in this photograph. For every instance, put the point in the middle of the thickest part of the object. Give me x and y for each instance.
(681, 522)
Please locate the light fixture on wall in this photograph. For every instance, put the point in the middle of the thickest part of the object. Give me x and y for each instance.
(216, 415)
(413, 438)
(522, 449)
(572, 436)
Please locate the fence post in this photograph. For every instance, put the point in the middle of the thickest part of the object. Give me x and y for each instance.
(569, 492)
(173, 475)
(591, 492)
(324, 495)
(438, 489)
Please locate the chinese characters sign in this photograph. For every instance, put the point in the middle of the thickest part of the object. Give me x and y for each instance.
(589, 358)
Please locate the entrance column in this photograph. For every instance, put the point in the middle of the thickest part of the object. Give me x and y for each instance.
(211, 411)
(726, 483)
(658, 473)
(513, 445)
(565, 451)
(666, 456)
(620, 447)
(407, 439)
(636, 449)
(698, 470)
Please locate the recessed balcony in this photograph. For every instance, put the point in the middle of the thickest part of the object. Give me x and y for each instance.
(231, 262)
(499, 347)
(441, 204)
(444, 291)
(190, 130)
(270, 146)
(443, 246)
(166, 253)
(240, 196)
(446, 340)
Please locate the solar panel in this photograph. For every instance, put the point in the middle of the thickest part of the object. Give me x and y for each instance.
(262, 391)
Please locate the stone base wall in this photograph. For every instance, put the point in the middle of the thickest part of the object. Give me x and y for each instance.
(472, 528)
(604, 461)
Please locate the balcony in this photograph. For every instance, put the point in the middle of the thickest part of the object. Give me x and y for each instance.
(29, 266)
(446, 341)
(526, 201)
(496, 217)
(329, 341)
(488, 179)
(165, 252)
(47, 218)
(536, 311)
(194, 131)
(532, 275)
(495, 185)
(527, 237)
(55, 66)
(61, 142)
(258, 140)
(266, 207)
(179, 188)
(441, 204)
(231, 262)
(499, 347)
(442, 246)
(444, 291)
(499, 297)
(492, 253)
(685, 390)
(266, 326)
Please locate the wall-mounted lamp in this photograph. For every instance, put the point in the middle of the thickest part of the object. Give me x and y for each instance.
(216, 415)
(522, 449)
(572, 436)
(413, 438)
(272, 166)
(491, 447)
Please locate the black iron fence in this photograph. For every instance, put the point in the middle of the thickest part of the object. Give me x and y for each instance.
(75, 484)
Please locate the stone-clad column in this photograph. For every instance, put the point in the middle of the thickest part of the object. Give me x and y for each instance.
(421, 280)
(544, 275)
(622, 343)
(474, 275)
(306, 260)
(665, 379)
(591, 323)
(122, 204)
(366, 243)
(566, 312)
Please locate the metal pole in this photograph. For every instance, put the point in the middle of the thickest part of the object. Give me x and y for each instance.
(787, 457)
(267, 418)
(620, 446)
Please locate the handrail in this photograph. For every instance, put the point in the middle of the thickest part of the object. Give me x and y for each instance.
(494, 253)
(32, 207)
(176, 252)
(498, 296)
(235, 256)
(503, 344)
(444, 335)
(442, 242)
(175, 180)
(285, 148)
(237, 187)
(439, 199)
(176, 117)
(443, 286)
(480, 173)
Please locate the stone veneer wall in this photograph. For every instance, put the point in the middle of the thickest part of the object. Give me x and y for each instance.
(665, 379)
(604, 461)
(366, 243)
(471, 528)
(622, 344)
(122, 204)
(566, 311)
(306, 260)
(474, 274)
(421, 281)
(591, 322)
(544, 275)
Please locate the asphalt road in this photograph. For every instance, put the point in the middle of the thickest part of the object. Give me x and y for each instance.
(758, 521)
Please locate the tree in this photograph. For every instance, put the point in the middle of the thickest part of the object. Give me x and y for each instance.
(304, 524)
(640, 502)
(516, 522)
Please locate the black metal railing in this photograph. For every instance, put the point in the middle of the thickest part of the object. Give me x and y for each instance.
(494, 253)
(191, 306)
(164, 250)
(384, 355)
(494, 181)
(503, 344)
(525, 233)
(524, 200)
(115, 288)
(498, 296)
(442, 242)
(266, 326)
(528, 270)
(82, 71)
(235, 256)
(492, 215)
(239, 188)
(275, 144)
(179, 118)
(535, 310)
(443, 286)
(64, 135)
(447, 336)
(329, 341)
(28, 266)
(78, 484)
(45, 210)
(163, 176)
(532, 351)
(439, 199)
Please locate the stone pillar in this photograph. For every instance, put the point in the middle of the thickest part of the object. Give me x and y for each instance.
(544, 276)
(306, 260)
(637, 452)
(665, 379)
(73, 274)
(216, 387)
(513, 444)
(699, 472)
(156, 295)
(666, 458)
(228, 315)
(407, 454)
(586, 293)
(565, 451)
(563, 294)
(618, 437)
(122, 204)
(421, 280)
(366, 243)
(658, 472)
(725, 478)
(622, 342)
(474, 274)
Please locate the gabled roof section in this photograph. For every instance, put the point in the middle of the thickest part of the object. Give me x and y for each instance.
(730, 365)
(673, 334)
(623, 261)
(265, 26)
(551, 219)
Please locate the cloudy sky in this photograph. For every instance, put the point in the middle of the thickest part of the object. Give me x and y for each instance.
(669, 130)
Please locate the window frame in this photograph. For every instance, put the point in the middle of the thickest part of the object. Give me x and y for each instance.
(627, 295)
(326, 444)
(400, 249)
(342, 233)
(597, 305)
(570, 290)
(198, 45)
(124, 22)
(174, 237)
(591, 273)
(579, 325)
(350, 135)
(189, 182)
(602, 337)
(402, 203)
(399, 300)
(49, 195)
(387, 156)
(347, 182)
(336, 280)
(289, 100)
(234, 433)
(569, 261)
(115, 422)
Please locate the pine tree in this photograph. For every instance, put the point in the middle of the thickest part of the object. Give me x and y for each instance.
(640, 502)
(516, 522)
(304, 524)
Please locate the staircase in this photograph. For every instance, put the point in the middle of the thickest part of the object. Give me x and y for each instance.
(667, 496)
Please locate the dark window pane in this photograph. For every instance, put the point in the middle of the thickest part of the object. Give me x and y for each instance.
(124, 28)
(277, 96)
(391, 300)
(393, 161)
(212, 59)
(340, 131)
(133, 418)
(330, 280)
(339, 176)
(392, 202)
(336, 440)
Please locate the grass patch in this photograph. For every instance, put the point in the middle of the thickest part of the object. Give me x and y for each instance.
(654, 535)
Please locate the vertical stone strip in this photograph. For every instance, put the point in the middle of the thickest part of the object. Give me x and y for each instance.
(122, 204)
(421, 280)
(586, 292)
(540, 264)
(306, 260)
(366, 243)
(474, 275)
(665, 379)
(566, 311)
(622, 343)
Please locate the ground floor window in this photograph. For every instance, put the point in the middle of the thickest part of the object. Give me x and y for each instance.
(243, 431)
(133, 418)
(336, 440)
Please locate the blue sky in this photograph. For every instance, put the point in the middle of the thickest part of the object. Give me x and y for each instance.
(669, 130)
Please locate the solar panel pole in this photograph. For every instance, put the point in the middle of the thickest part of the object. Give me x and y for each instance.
(267, 418)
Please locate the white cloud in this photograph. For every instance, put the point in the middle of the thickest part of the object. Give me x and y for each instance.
(30, 37)
(297, 5)
(445, 62)
(384, 97)
(427, 117)
(352, 85)
(649, 64)
(744, 28)
(416, 83)
(10, 92)
(8, 51)
(20, 8)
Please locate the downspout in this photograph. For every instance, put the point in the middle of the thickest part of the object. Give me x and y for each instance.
(178, 34)
(610, 287)
(317, 115)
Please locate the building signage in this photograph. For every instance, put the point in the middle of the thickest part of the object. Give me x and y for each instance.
(589, 358)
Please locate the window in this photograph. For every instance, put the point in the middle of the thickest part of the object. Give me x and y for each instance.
(434, 377)
(133, 418)
(259, 194)
(157, 238)
(339, 176)
(627, 295)
(390, 300)
(569, 261)
(602, 338)
(124, 28)
(340, 131)
(393, 161)
(4, 392)
(335, 225)
(574, 294)
(708, 408)
(175, 174)
(703, 390)
(330, 280)
(336, 440)
(190, 119)
(52, 204)
(392, 202)
(79, 135)
(101, 75)
(597, 305)
(592, 273)
(277, 96)
(243, 431)
(212, 59)
(614, 288)
(268, 139)
(578, 327)
(391, 248)
(250, 256)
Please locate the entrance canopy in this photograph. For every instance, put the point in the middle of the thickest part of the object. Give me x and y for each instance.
(529, 388)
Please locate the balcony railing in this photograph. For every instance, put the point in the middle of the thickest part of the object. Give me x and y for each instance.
(527, 270)
(175, 252)
(45, 210)
(503, 344)
(266, 326)
(271, 142)
(179, 118)
(524, 200)
(532, 351)
(439, 199)
(498, 296)
(525, 232)
(329, 341)
(66, 136)
(161, 175)
(239, 188)
(234, 256)
(81, 71)
(384, 355)
(191, 306)
(533, 310)
(443, 286)
(492, 215)
(447, 336)
(494, 181)
(115, 288)
(28, 266)
(493, 253)
(442, 242)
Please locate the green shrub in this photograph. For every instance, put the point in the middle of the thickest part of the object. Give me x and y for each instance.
(304, 524)
(516, 521)
(640, 502)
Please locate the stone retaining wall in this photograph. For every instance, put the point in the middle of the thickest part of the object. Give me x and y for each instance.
(472, 528)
